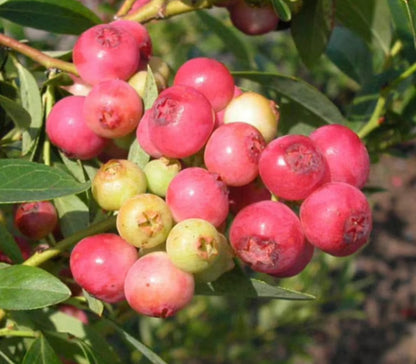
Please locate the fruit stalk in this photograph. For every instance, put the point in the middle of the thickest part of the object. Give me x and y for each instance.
(39, 258)
(36, 55)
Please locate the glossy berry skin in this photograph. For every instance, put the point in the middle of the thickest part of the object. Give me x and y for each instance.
(345, 153)
(233, 152)
(196, 193)
(159, 173)
(219, 115)
(143, 136)
(193, 245)
(291, 167)
(116, 181)
(36, 220)
(208, 76)
(141, 35)
(144, 220)
(267, 235)
(105, 52)
(65, 121)
(113, 109)
(336, 218)
(253, 20)
(256, 110)
(99, 264)
(180, 122)
(155, 287)
(241, 196)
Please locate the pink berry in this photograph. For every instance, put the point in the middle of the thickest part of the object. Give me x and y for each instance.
(233, 152)
(143, 136)
(291, 167)
(155, 287)
(113, 109)
(219, 115)
(196, 193)
(251, 19)
(99, 264)
(267, 235)
(180, 122)
(345, 153)
(141, 34)
(106, 52)
(336, 218)
(208, 76)
(66, 129)
(36, 220)
(242, 196)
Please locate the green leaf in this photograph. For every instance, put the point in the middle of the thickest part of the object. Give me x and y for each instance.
(63, 16)
(354, 60)
(5, 358)
(73, 214)
(17, 113)
(369, 19)
(22, 181)
(236, 283)
(303, 95)
(282, 10)
(8, 245)
(137, 154)
(311, 29)
(149, 354)
(40, 352)
(150, 89)
(31, 101)
(94, 304)
(234, 43)
(27, 288)
(404, 17)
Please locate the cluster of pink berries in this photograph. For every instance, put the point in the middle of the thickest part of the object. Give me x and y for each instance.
(215, 154)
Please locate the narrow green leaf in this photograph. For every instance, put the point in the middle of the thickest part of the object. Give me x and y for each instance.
(404, 17)
(282, 10)
(31, 101)
(311, 29)
(236, 283)
(138, 155)
(40, 352)
(94, 304)
(5, 358)
(150, 89)
(149, 354)
(305, 96)
(354, 60)
(17, 113)
(22, 181)
(63, 16)
(27, 288)
(8, 245)
(234, 43)
(73, 214)
(370, 19)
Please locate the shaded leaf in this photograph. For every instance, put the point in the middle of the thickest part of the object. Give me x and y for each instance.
(311, 29)
(16, 112)
(22, 181)
(137, 154)
(150, 89)
(149, 354)
(94, 304)
(8, 245)
(236, 283)
(302, 94)
(355, 60)
(63, 16)
(73, 214)
(40, 352)
(27, 288)
(369, 19)
(231, 38)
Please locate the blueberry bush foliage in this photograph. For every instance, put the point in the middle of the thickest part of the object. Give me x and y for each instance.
(347, 62)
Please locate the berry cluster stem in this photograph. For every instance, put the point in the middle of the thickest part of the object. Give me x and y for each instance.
(36, 55)
(40, 258)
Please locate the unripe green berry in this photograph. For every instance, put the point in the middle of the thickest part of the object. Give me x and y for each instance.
(116, 181)
(159, 173)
